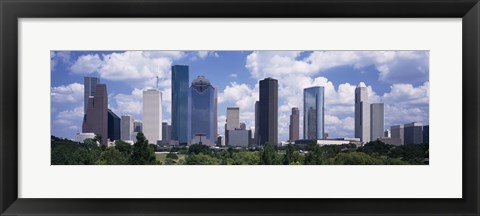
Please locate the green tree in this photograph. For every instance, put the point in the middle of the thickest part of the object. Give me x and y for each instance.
(112, 156)
(143, 153)
(288, 158)
(314, 155)
(269, 155)
(199, 148)
(354, 158)
(201, 159)
(123, 147)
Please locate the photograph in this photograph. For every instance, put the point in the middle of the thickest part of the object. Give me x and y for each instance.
(239, 107)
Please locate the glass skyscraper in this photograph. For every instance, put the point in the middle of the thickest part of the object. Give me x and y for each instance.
(202, 112)
(313, 112)
(180, 105)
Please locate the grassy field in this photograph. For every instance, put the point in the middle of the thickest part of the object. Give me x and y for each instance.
(162, 156)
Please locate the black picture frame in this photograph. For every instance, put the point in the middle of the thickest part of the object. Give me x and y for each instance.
(12, 10)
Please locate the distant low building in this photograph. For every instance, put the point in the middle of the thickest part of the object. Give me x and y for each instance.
(239, 137)
(322, 142)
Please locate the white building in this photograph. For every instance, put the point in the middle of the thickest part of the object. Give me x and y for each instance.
(126, 128)
(362, 113)
(80, 137)
(152, 115)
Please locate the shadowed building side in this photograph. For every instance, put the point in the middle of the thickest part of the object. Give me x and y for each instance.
(96, 118)
(268, 115)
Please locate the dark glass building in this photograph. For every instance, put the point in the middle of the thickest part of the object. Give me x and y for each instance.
(313, 113)
(413, 133)
(180, 106)
(96, 120)
(113, 126)
(202, 112)
(426, 134)
(268, 112)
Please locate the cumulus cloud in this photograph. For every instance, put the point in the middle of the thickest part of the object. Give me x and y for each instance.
(136, 68)
(72, 93)
(393, 66)
(70, 119)
(57, 57)
(242, 95)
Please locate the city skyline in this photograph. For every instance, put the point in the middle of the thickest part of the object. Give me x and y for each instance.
(241, 89)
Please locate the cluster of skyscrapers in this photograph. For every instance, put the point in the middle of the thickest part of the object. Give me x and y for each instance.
(101, 121)
(194, 116)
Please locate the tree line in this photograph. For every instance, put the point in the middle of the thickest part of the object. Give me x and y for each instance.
(141, 153)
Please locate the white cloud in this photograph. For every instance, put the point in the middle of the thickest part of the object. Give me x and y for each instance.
(233, 75)
(393, 66)
(56, 57)
(86, 64)
(72, 93)
(128, 104)
(241, 95)
(70, 119)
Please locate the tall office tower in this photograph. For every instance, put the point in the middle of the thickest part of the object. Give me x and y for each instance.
(89, 85)
(426, 134)
(313, 113)
(233, 118)
(137, 126)
(268, 115)
(233, 121)
(114, 125)
(413, 133)
(152, 115)
(127, 127)
(257, 123)
(398, 132)
(166, 133)
(362, 113)
(294, 125)
(376, 121)
(215, 127)
(202, 114)
(180, 104)
(96, 118)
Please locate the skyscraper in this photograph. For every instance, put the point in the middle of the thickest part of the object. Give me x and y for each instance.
(113, 126)
(152, 115)
(233, 118)
(127, 127)
(413, 133)
(268, 115)
(89, 85)
(180, 104)
(202, 114)
(166, 133)
(294, 125)
(233, 121)
(257, 123)
(426, 134)
(313, 112)
(376, 121)
(362, 113)
(96, 118)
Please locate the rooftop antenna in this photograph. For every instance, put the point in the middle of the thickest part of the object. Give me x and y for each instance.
(157, 82)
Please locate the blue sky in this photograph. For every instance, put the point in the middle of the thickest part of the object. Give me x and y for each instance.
(397, 78)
